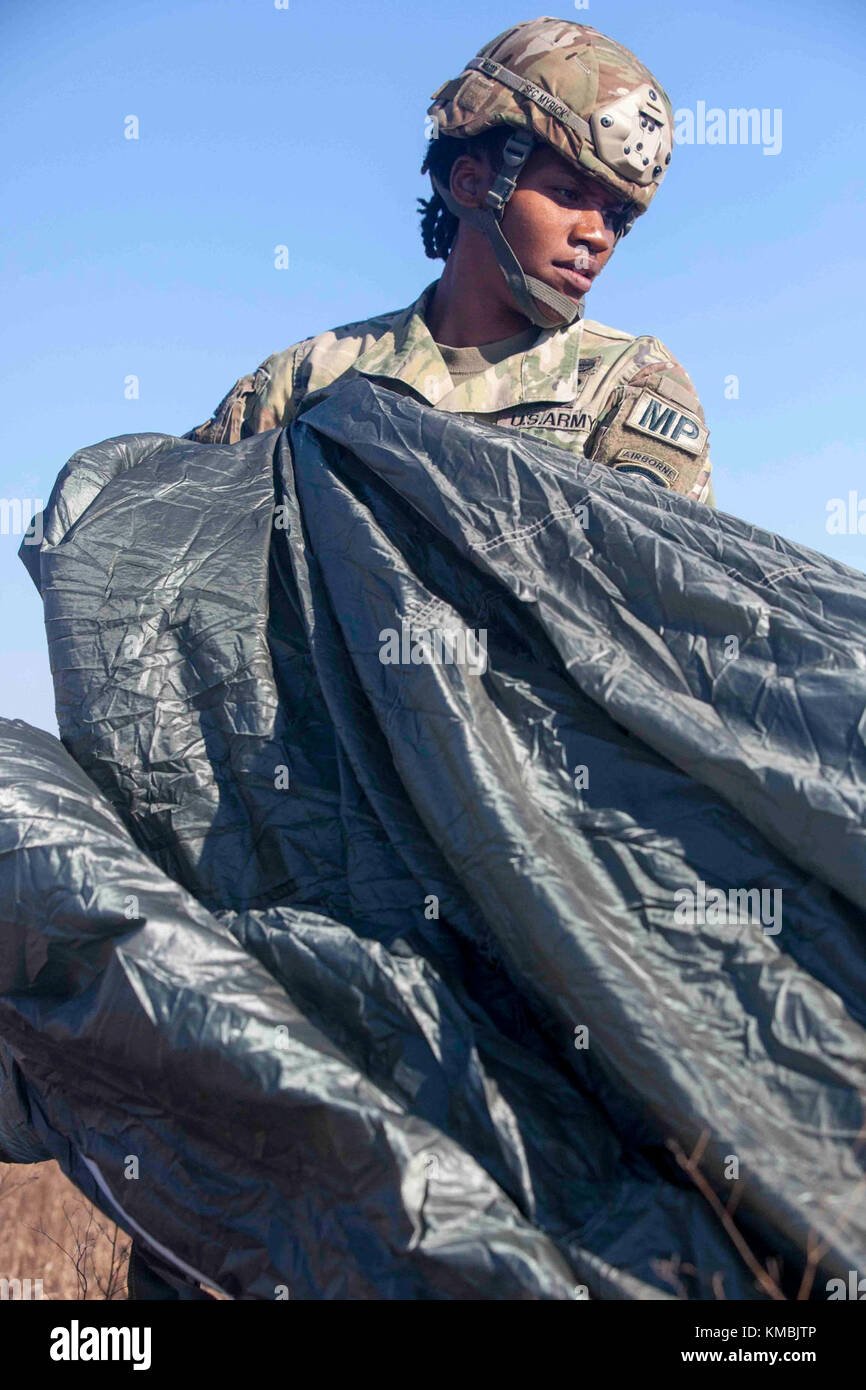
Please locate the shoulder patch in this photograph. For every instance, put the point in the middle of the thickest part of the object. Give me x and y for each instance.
(654, 416)
(645, 466)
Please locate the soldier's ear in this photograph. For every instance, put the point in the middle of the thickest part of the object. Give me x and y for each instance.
(471, 177)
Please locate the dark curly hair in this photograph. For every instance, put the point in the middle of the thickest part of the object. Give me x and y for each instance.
(438, 225)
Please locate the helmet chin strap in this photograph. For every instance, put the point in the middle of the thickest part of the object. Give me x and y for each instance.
(526, 289)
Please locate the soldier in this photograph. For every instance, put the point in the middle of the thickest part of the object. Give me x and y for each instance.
(544, 151)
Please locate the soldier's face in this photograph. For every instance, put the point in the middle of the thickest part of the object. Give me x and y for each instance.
(560, 224)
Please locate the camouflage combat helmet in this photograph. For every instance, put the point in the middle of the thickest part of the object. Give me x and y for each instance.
(587, 97)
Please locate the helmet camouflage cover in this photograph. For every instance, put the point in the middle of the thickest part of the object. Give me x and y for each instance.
(571, 86)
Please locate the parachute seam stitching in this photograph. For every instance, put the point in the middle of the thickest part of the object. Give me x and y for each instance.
(526, 532)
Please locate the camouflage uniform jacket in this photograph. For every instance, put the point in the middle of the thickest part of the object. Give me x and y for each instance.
(601, 393)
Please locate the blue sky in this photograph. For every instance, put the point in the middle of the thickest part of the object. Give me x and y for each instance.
(304, 126)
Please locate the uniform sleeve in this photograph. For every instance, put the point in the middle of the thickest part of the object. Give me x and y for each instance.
(653, 425)
(249, 408)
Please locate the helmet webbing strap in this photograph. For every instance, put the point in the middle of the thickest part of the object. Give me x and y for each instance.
(551, 104)
(526, 289)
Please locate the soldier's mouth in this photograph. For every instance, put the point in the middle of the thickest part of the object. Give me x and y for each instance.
(579, 280)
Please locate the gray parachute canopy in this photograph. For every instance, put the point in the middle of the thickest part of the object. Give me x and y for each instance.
(420, 978)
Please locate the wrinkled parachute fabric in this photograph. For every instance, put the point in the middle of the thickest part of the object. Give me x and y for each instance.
(331, 973)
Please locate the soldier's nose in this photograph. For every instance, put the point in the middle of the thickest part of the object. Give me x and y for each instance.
(589, 228)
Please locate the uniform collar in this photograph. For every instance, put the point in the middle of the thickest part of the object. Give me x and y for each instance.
(548, 371)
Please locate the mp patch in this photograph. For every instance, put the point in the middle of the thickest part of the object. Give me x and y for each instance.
(645, 466)
(654, 416)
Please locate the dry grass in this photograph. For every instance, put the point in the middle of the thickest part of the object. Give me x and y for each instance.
(49, 1231)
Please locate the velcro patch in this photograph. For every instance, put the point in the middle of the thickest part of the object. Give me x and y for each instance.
(646, 466)
(654, 416)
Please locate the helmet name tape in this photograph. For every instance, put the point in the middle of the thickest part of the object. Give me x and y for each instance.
(548, 103)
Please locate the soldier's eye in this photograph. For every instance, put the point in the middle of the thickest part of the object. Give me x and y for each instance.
(613, 216)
